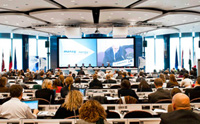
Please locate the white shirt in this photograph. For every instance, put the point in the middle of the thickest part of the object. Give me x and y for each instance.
(187, 83)
(15, 109)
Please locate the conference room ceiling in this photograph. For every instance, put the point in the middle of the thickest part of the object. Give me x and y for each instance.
(143, 17)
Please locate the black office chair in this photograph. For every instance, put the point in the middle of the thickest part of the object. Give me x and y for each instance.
(164, 101)
(195, 100)
(60, 101)
(138, 114)
(112, 114)
(134, 86)
(115, 87)
(100, 99)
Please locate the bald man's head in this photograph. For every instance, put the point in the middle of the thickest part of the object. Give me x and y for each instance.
(181, 101)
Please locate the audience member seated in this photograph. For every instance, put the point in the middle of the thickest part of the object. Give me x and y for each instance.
(68, 82)
(70, 107)
(186, 82)
(56, 86)
(41, 76)
(172, 81)
(162, 76)
(144, 86)
(127, 100)
(81, 72)
(130, 75)
(109, 80)
(14, 108)
(3, 82)
(119, 76)
(195, 92)
(173, 92)
(140, 76)
(95, 83)
(61, 77)
(124, 76)
(126, 90)
(46, 92)
(182, 113)
(160, 93)
(91, 112)
(77, 80)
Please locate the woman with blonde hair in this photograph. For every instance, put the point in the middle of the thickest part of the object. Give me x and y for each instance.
(92, 112)
(172, 81)
(68, 82)
(46, 92)
(73, 102)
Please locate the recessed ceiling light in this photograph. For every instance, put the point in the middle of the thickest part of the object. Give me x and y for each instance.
(52, 18)
(139, 17)
(62, 13)
(129, 13)
(195, 18)
(82, 17)
(17, 23)
(72, 1)
(111, 13)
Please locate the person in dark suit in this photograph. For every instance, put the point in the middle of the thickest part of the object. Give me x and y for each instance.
(140, 76)
(195, 92)
(95, 83)
(81, 72)
(182, 113)
(70, 107)
(160, 93)
(126, 90)
(46, 92)
(109, 80)
(68, 87)
(114, 54)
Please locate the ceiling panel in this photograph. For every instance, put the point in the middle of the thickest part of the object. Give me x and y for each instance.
(67, 16)
(26, 5)
(126, 15)
(197, 8)
(92, 30)
(18, 19)
(192, 27)
(95, 3)
(161, 31)
(53, 30)
(168, 4)
(3, 10)
(176, 18)
(6, 29)
(138, 30)
(30, 32)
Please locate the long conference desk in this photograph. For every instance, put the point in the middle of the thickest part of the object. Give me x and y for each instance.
(74, 121)
(90, 70)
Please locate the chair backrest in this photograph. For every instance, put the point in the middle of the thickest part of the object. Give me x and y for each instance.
(138, 114)
(60, 101)
(100, 99)
(164, 101)
(73, 117)
(195, 100)
(115, 87)
(112, 114)
(42, 101)
(37, 86)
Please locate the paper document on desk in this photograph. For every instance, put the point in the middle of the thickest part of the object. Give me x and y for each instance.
(160, 111)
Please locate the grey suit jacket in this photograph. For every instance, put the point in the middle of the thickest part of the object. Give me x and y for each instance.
(158, 95)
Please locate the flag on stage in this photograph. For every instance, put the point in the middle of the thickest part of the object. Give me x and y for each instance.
(176, 60)
(10, 62)
(194, 63)
(182, 60)
(15, 60)
(2, 64)
(190, 62)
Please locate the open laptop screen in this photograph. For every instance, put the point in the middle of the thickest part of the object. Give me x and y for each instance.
(32, 104)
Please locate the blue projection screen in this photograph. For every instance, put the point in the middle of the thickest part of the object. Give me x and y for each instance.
(77, 51)
(97, 52)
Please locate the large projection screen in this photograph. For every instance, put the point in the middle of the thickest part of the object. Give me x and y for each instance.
(77, 51)
(115, 52)
(96, 52)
